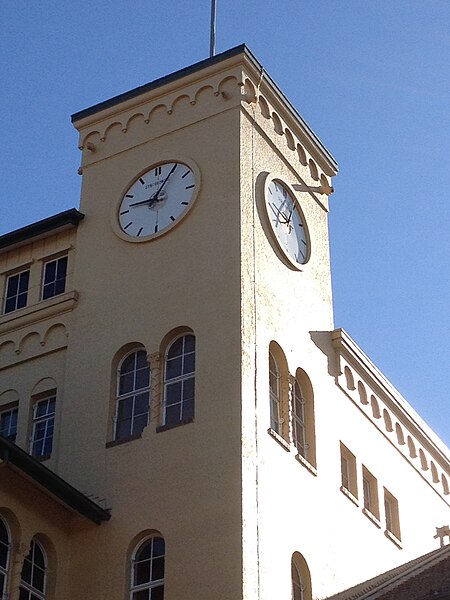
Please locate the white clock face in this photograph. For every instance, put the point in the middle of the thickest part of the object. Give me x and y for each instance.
(287, 222)
(157, 200)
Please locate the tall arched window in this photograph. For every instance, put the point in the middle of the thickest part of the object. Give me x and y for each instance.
(301, 578)
(147, 572)
(303, 429)
(5, 544)
(133, 395)
(34, 574)
(275, 395)
(179, 380)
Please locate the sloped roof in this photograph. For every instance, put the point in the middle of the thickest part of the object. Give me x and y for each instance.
(27, 466)
(383, 585)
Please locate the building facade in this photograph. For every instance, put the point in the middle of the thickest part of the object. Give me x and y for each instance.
(180, 416)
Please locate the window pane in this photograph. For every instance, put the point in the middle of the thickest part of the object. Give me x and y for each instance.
(125, 409)
(38, 579)
(50, 272)
(188, 410)
(139, 424)
(62, 268)
(26, 570)
(188, 388)
(142, 378)
(24, 595)
(10, 305)
(141, 360)
(189, 363)
(129, 364)
(126, 383)
(158, 546)
(3, 556)
(21, 300)
(173, 367)
(13, 286)
(141, 404)
(158, 593)
(173, 393)
(60, 286)
(157, 569)
(189, 343)
(173, 414)
(176, 349)
(123, 429)
(141, 595)
(142, 572)
(145, 551)
(23, 281)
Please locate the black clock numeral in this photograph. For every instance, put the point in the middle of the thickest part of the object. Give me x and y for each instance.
(188, 187)
(140, 231)
(156, 227)
(187, 173)
(186, 203)
(172, 218)
(303, 242)
(126, 226)
(157, 171)
(124, 212)
(129, 196)
(141, 180)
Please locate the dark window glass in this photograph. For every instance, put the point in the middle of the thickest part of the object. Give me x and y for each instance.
(8, 423)
(132, 409)
(17, 291)
(148, 570)
(55, 273)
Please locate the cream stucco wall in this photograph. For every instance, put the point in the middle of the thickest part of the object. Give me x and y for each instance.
(232, 503)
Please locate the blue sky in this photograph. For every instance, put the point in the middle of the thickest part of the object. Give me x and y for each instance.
(371, 78)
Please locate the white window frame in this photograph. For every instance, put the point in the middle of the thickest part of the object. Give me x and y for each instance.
(275, 395)
(131, 395)
(27, 586)
(5, 570)
(183, 378)
(18, 293)
(148, 585)
(3, 413)
(49, 419)
(44, 270)
(299, 424)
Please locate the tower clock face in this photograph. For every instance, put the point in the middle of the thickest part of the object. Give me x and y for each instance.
(287, 222)
(157, 200)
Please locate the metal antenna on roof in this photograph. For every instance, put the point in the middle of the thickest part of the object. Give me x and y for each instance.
(212, 42)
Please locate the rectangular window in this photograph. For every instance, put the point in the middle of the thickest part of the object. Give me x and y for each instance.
(54, 279)
(8, 423)
(43, 425)
(348, 471)
(391, 514)
(370, 489)
(16, 291)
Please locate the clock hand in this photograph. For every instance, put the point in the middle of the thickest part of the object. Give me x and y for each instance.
(155, 196)
(272, 206)
(151, 200)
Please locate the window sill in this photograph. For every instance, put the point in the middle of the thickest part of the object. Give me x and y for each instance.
(372, 517)
(302, 460)
(349, 495)
(173, 425)
(113, 443)
(276, 436)
(36, 312)
(394, 539)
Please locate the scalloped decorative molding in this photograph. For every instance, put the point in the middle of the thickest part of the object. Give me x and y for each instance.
(389, 412)
(32, 344)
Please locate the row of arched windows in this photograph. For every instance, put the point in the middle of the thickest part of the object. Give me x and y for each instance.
(134, 388)
(291, 405)
(146, 573)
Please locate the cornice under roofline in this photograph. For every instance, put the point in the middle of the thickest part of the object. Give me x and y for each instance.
(342, 341)
(238, 55)
(40, 229)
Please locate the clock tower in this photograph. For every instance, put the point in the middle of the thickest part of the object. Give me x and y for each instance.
(188, 364)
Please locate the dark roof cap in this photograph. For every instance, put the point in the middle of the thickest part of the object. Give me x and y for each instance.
(66, 494)
(68, 218)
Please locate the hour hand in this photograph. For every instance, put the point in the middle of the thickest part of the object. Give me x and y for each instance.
(277, 212)
(149, 201)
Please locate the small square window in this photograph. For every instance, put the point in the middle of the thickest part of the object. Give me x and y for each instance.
(16, 291)
(348, 471)
(8, 424)
(54, 280)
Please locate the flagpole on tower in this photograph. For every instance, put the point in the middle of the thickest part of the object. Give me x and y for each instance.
(212, 42)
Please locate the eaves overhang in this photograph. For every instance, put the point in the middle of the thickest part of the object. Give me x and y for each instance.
(41, 229)
(239, 54)
(65, 494)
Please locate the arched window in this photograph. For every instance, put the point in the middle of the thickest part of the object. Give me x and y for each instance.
(34, 574)
(179, 381)
(303, 428)
(275, 395)
(301, 578)
(299, 420)
(133, 396)
(147, 572)
(5, 544)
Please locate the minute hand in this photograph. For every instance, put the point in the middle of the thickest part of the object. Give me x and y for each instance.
(155, 197)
